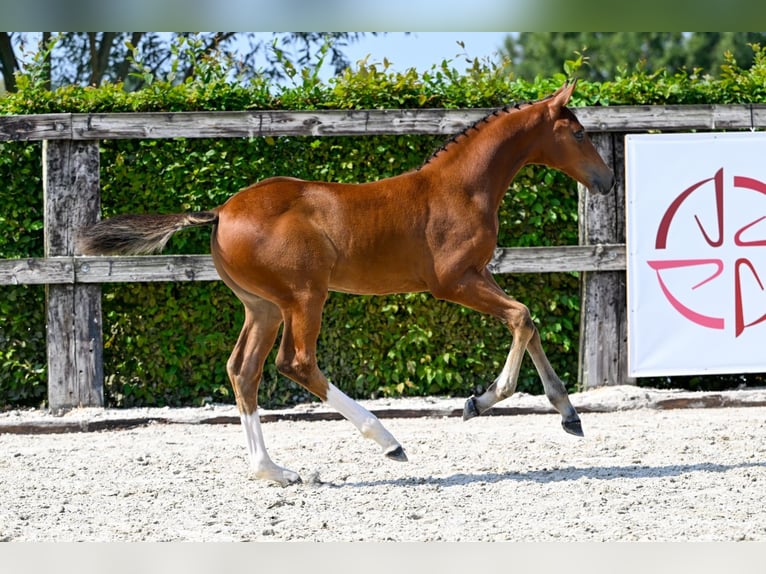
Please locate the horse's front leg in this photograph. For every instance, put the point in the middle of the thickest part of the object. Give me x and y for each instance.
(478, 290)
(554, 388)
(505, 385)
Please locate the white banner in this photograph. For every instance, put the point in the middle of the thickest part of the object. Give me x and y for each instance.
(696, 238)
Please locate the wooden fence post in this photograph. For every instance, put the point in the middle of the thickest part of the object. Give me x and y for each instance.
(603, 302)
(74, 336)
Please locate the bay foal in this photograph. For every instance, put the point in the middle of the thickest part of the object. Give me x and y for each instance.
(282, 244)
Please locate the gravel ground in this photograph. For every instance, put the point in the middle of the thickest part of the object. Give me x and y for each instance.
(640, 473)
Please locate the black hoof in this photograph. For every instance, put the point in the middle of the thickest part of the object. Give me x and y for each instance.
(470, 410)
(397, 454)
(573, 427)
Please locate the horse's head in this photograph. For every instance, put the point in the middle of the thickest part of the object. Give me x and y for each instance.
(569, 148)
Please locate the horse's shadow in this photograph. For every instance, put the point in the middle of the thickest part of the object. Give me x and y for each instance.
(565, 474)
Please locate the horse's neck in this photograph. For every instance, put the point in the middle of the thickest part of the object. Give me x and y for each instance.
(484, 159)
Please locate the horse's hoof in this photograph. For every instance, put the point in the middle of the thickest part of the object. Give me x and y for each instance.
(284, 479)
(397, 454)
(573, 427)
(470, 410)
(289, 481)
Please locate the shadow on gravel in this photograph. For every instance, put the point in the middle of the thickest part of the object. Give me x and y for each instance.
(565, 474)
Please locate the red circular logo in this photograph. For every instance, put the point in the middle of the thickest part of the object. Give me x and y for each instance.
(726, 248)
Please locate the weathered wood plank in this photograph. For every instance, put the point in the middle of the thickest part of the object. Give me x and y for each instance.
(601, 336)
(36, 127)
(381, 122)
(62, 366)
(74, 337)
(603, 333)
(153, 268)
(146, 268)
(272, 123)
(671, 118)
(88, 346)
(36, 271)
(153, 125)
(758, 115)
(620, 285)
(558, 259)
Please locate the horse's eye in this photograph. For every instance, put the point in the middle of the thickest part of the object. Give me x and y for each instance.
(579, 135)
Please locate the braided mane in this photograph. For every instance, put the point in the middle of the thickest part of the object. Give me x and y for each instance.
(478, 124)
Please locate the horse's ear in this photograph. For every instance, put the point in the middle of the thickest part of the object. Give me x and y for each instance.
(560, 98)
(562, 95)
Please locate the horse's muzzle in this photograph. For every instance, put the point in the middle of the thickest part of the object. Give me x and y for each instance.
(602, 183)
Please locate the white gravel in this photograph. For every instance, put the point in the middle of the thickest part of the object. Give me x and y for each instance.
(640, 473)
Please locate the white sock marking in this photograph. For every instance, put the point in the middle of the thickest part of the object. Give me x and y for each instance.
(260, 462)
(367, 423)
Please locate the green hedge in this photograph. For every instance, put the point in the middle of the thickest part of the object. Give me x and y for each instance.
(167, 343)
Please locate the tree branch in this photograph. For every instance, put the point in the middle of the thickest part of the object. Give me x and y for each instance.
(8, 61)
(99, 55)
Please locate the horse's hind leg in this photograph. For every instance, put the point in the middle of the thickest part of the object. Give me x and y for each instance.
(245, 368)
(297, 360)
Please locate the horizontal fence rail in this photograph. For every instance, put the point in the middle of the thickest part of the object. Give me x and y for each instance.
(123, 269)
(72, 198)
(158, 125)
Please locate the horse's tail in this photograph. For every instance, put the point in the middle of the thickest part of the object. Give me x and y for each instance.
(137, 234)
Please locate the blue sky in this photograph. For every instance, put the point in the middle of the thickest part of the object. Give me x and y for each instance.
(424, 49)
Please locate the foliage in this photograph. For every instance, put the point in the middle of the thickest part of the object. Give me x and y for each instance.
(167, 344)
(98, 58)
(22, 308)
(541, 54)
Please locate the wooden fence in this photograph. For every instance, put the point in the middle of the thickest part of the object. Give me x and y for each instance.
(72, 199)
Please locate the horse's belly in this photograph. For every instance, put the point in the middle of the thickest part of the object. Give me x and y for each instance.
(375, 282)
